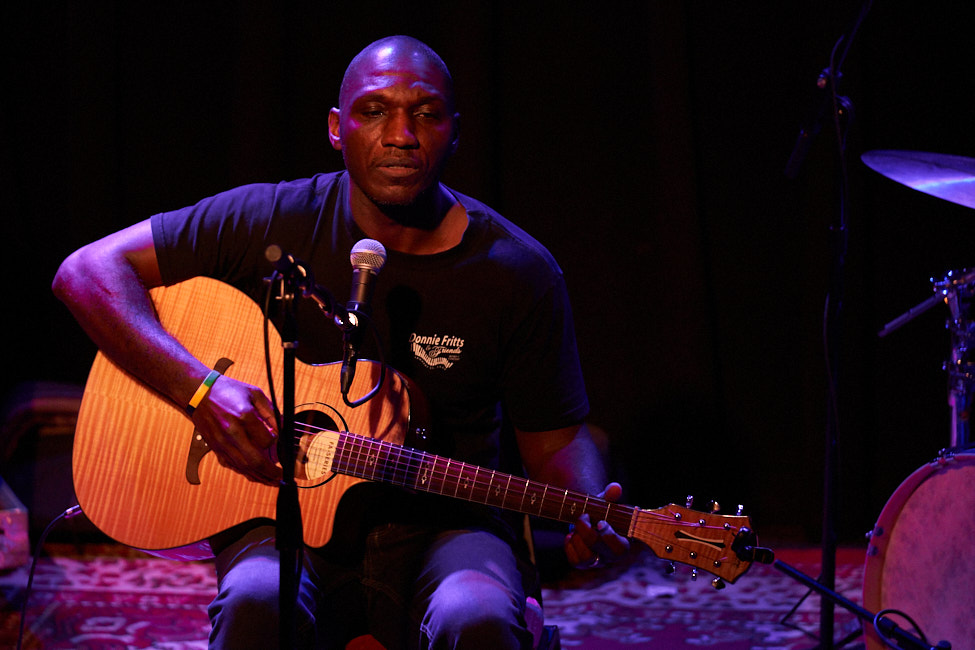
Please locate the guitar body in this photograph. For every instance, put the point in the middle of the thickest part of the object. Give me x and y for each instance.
(145, 479)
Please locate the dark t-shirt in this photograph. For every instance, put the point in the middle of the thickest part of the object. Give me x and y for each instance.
(483, 329)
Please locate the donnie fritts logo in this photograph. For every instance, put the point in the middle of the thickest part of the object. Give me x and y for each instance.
(437, 351)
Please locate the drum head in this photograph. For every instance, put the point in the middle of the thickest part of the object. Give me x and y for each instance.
(921, 558)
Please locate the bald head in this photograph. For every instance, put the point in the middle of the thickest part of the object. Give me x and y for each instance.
(397, 54)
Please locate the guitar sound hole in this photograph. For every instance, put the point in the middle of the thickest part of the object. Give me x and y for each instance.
(314, 418)
(315, 421)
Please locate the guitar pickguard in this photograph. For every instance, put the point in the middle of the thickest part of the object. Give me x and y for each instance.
(199, 446)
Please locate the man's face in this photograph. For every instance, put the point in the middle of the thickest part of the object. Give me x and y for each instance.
(396, 127)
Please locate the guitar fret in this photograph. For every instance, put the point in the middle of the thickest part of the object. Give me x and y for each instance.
(422, 481)
(411, 469)
(531, 489)
(442, 477)
(446, 479)
(371, 458)
(504, 497)
(462, 480)
(400, 464)
(382, 461)
(490, 487)
(470, 491)
(391, 467)
(351, 454)
(362, 458)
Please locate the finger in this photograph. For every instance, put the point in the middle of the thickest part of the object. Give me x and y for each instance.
(236, 451)
(613, 492)
(578, 555)
(580, 546)
(266, 411)
(260, 432)
(610, 542)
(583, 532)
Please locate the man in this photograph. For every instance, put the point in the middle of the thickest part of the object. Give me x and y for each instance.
(413, 571)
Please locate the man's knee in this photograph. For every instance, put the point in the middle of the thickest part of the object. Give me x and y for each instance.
(472, 610)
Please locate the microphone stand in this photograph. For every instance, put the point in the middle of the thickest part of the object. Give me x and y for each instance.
(289, 538)
(839, 109)
(746, 549)
(886, 628)
(294, 279)
(297, 280)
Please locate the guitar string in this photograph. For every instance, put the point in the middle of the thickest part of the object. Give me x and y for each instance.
(360, 446)
(468, 476)
(353, 448)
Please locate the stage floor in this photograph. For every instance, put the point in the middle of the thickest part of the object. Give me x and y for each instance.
(101, 596)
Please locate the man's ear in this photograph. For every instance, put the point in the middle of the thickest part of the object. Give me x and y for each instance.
(455, 140)
(333, 129)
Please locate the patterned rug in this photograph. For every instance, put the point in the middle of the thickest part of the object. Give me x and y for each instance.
(109, 598)
(641, 606)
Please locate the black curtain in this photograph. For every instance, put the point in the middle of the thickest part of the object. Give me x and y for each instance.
(643, 143)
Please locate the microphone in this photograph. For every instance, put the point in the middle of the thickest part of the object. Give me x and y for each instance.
(367, 257)
(822, 106)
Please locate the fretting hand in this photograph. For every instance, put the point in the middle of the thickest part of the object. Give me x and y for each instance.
(590, 545)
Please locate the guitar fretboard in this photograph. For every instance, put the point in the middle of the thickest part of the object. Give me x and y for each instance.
(376, 460)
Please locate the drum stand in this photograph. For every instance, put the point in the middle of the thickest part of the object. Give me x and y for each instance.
(957, 290)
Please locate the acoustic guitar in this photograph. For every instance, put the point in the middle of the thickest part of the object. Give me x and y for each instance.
(145, 477)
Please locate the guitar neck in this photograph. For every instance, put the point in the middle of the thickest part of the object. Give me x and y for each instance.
(384, 462)
(704, 540)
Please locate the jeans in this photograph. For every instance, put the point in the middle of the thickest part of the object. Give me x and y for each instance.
(411, 587)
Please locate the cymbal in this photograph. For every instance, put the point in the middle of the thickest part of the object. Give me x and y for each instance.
(947, 177)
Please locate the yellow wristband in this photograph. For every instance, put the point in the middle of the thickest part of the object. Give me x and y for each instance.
(202, 391)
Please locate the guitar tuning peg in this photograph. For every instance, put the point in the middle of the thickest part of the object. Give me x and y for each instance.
(690, 500)
(671, 568)
(715, 507)
(718, 583)
(694, 574)
(741, 509)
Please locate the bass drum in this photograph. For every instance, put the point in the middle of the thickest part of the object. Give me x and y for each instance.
(921, 557)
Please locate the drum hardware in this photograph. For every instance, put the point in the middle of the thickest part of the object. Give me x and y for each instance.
(960, 297)
(957, 291)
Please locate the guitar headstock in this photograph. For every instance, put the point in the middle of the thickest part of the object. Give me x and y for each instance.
(723, 545)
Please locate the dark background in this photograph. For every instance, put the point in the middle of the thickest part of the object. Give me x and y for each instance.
(643, 143)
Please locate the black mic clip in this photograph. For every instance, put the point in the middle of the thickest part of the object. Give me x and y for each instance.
(301, 280)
